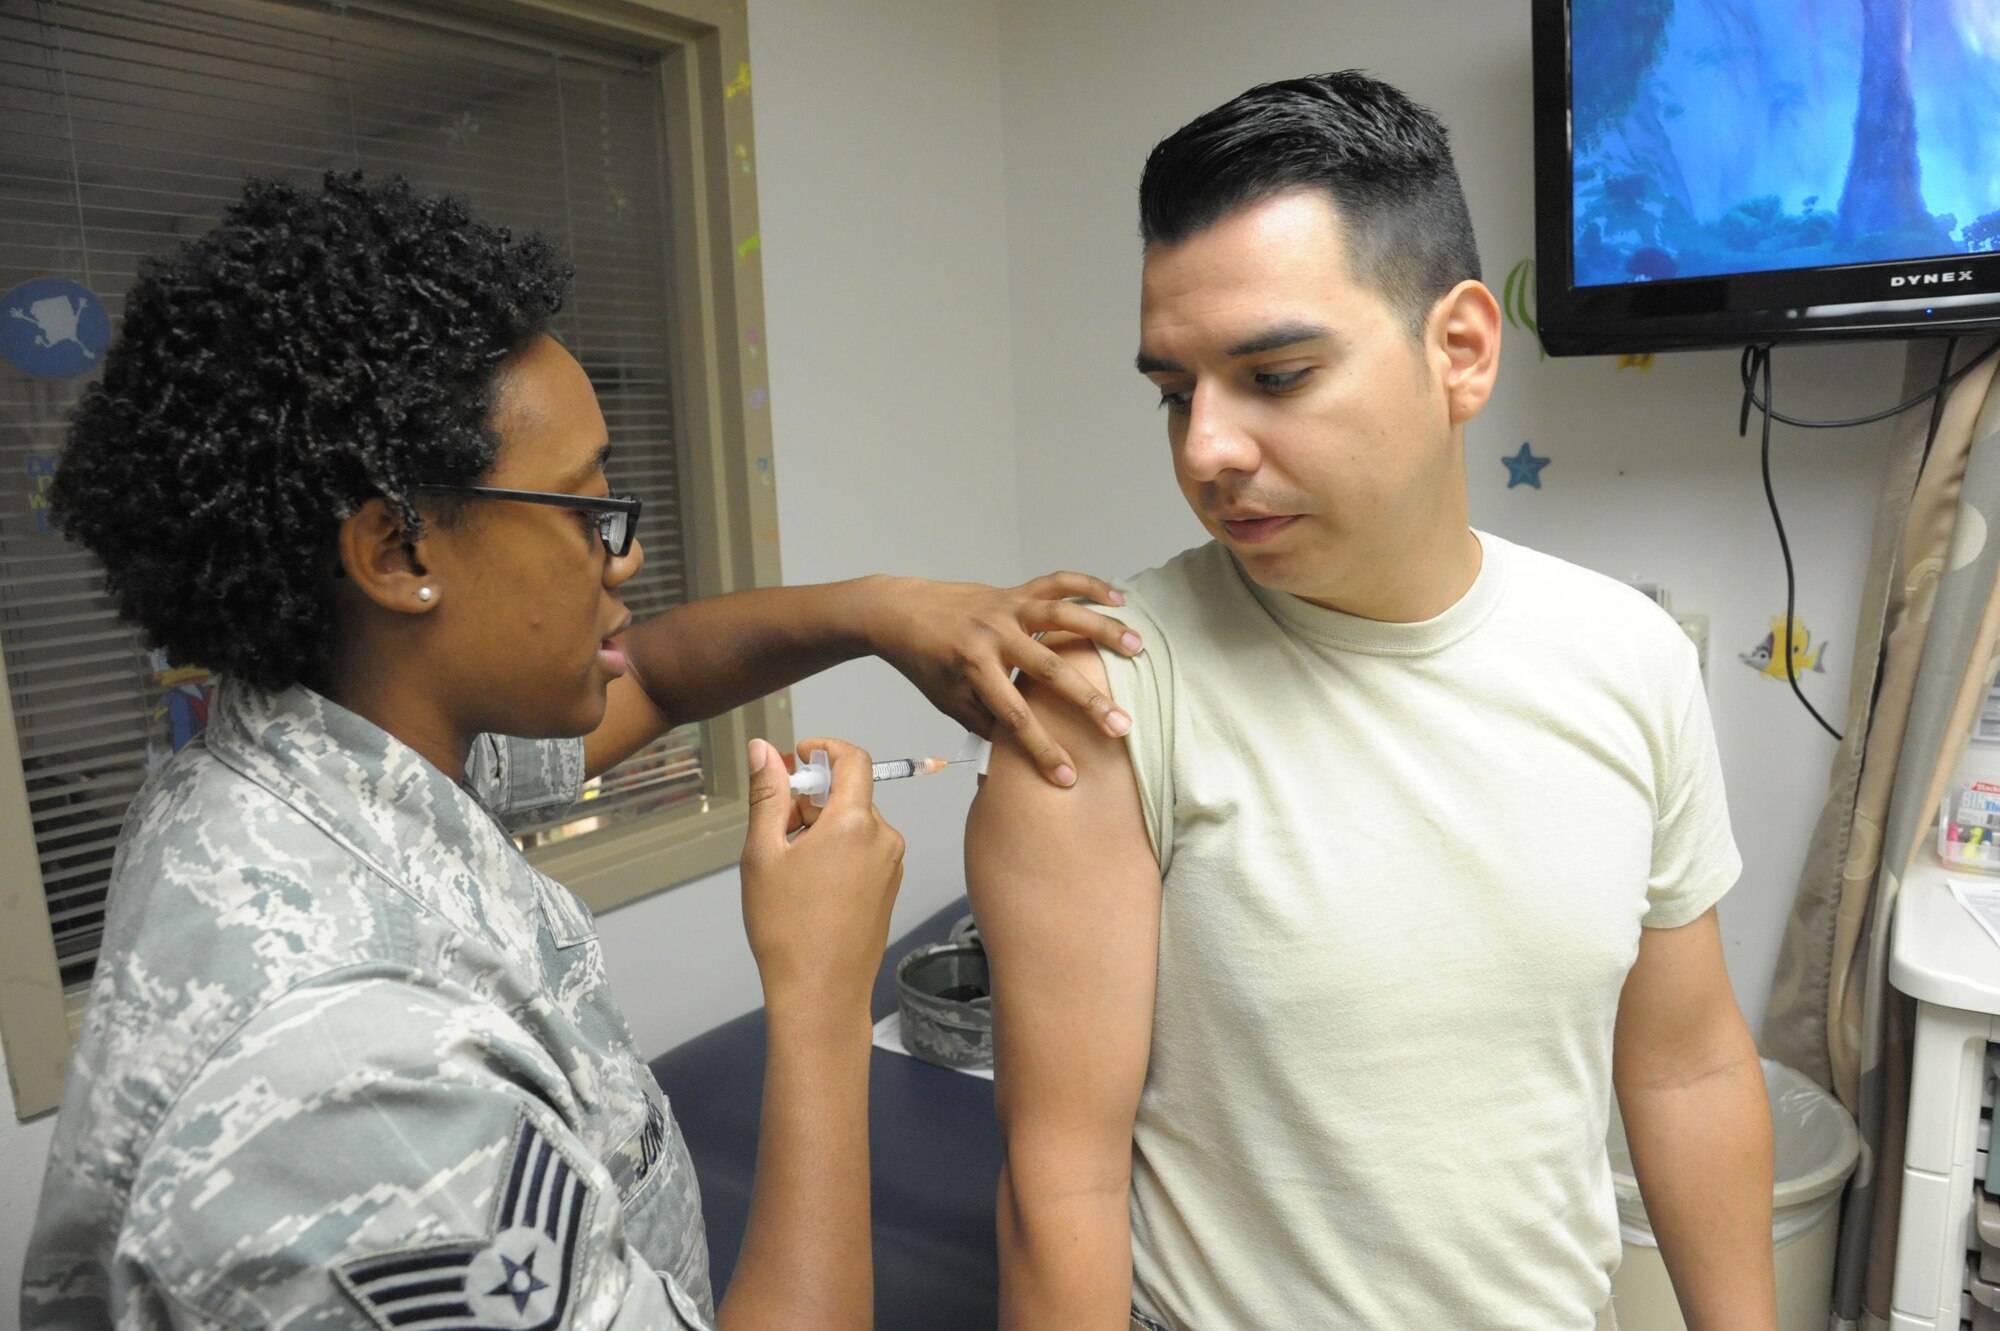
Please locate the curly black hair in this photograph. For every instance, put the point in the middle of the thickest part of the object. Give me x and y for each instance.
(313, 351)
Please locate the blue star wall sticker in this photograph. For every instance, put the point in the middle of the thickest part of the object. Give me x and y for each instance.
(1524, 468)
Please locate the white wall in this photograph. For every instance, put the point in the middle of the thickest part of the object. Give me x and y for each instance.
(1647, 476)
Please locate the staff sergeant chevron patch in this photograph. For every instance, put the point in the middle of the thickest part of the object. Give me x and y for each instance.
(519, 1278)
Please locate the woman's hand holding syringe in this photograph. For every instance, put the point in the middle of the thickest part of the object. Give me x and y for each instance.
(818, 889)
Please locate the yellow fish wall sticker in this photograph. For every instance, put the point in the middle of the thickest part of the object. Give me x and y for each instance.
(1764, 659)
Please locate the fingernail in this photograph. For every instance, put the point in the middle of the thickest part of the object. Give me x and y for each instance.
(760, 753)
(1117, 597)
(1130, 642)
(1117, 722)
(1065, 775)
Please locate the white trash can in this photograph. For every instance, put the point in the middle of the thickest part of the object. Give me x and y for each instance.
(1816, 1149)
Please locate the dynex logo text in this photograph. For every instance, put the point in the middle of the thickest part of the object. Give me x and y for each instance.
(1931, 279)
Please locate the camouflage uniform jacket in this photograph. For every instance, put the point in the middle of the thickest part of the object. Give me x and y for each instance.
(352, 1062)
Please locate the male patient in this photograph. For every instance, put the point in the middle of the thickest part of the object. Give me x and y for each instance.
(1312, 994)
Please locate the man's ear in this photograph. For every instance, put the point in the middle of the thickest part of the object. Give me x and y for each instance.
(378, 558)
(1465, 334)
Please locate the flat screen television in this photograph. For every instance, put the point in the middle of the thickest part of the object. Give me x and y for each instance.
(1722, 172)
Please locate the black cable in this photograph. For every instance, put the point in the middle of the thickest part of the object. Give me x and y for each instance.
(1757, 363)
(1750, 398)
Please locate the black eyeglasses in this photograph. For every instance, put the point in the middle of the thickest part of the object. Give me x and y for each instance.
(617, 515)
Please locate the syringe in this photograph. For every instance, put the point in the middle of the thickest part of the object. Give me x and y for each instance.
(815, 778)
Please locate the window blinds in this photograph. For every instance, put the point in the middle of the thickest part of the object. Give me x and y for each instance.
(129, 126)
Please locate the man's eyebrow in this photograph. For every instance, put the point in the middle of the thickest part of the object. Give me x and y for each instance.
(1271, 339)
(589, 469)
(1284, 335)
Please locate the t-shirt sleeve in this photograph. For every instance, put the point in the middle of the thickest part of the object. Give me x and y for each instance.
(375, 1154)
(1144, 686)
(1695, 860)
(518, 778)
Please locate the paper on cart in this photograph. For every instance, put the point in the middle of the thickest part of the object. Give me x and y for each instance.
(1982, 900)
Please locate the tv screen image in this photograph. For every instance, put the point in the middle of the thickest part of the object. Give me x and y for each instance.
(1713, 137)
(1769, 168)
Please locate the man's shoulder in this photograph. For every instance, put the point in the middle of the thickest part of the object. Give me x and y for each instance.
(1187, 610)
(1189, 595)
(1588, 624)
(1199, 570)
(1591, 603)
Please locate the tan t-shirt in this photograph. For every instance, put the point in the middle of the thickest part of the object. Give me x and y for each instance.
(1404, 869)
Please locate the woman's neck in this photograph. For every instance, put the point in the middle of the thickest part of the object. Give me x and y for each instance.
(383, 696)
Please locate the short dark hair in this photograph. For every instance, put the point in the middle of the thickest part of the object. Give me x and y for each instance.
(1381, 159)
(313, 351)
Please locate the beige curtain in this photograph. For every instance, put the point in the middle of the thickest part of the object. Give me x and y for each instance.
(1923, 660)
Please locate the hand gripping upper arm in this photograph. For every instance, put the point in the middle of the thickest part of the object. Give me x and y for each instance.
(380, 1154)
(1067, 893)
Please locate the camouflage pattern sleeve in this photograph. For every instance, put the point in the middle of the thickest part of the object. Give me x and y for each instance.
(514, 776)
(378, 1151)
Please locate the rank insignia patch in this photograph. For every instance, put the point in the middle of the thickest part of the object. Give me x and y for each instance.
(520, 1278)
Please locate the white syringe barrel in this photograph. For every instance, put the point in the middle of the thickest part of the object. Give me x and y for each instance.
(815, 779)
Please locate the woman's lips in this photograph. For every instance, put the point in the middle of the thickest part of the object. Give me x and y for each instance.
(1254, 531)
(612, 657)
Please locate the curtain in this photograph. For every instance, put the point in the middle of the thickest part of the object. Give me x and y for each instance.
(1924, 659)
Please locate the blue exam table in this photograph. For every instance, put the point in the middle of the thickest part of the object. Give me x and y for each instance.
(933, 1149)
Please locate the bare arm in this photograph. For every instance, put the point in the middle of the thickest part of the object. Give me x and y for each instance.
(1692, 1094)
(957, 642)
(1067, 893)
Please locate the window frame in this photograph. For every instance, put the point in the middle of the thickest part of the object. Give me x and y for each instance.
(731, 502)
